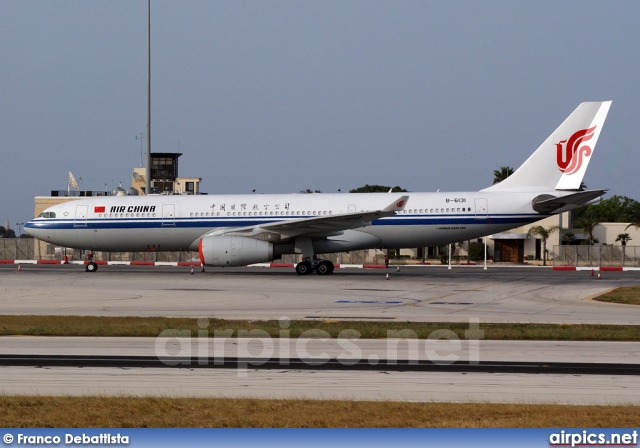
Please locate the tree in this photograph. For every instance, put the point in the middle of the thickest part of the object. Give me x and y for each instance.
(502, 174)
(444, 253)
(544, 234)
(634, 216)
(588, 223)
(614, 209)
(9, 234)
(624, 238)
(568, 238)
(2, 231)
(308, 191)
(476, 251)
(377, 189)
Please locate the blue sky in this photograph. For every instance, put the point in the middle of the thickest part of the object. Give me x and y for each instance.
(286, 95)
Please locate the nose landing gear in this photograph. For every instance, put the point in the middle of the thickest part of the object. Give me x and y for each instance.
(90, 265)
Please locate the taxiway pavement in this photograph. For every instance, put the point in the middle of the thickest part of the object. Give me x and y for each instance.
(433, 294)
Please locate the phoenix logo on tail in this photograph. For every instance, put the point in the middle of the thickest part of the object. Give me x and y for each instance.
(567, 163)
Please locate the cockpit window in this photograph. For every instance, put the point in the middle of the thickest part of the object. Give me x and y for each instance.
(47, 215)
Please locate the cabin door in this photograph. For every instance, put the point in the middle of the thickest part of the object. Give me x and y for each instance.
(168, 215)
(482, 210)
(81, 216)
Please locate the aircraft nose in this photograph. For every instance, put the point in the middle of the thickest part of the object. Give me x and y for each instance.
(32, 229)
(28, 226)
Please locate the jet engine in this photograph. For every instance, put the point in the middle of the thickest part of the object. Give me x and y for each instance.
(230, 251)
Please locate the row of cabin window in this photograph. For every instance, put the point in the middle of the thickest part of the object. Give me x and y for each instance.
(437, 210)
(127, 215)
(153, 215)
(313, 213)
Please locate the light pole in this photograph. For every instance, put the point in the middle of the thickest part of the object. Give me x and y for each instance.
(19, 224)
(147, 188)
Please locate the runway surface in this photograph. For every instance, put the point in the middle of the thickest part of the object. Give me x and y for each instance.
(288, 382)
(395, 386)
(414, 294)
(434, 350)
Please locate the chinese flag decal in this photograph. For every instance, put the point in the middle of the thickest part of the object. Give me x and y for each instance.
(98, 209)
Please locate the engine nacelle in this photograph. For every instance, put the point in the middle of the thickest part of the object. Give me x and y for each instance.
(233, 251)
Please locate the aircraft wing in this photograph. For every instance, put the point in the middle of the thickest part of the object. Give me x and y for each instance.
(317, 226)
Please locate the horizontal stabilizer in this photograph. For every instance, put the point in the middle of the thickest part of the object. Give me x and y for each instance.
(548, 204)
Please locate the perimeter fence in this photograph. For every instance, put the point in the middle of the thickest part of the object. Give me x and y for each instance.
(32, 249)
(597, 256)
(17, 249)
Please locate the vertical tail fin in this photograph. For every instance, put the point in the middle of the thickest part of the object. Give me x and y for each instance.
(561, 161)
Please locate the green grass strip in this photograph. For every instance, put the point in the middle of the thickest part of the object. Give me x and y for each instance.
(629, 295)
(155, 326)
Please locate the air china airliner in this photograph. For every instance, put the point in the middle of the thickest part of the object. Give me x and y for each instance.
(236, 230)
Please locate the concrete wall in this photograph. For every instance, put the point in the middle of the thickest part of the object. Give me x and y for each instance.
(607, 233)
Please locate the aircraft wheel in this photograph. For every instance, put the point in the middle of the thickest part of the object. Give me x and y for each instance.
(324, 268)
(91, 267)
(303, 268)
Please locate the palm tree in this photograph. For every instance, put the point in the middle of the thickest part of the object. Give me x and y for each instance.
(568, 238)
(588, 223)
(624, 238)
(634, 215)
(544, 234)
(502, 174)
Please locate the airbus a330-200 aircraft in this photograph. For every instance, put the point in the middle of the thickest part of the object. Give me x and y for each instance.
(236, 230)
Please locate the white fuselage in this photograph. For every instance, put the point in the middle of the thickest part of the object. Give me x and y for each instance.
(162, 222)
(232, 230)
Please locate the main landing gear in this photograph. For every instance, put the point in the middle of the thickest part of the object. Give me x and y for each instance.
(322, 267)
(310, 262)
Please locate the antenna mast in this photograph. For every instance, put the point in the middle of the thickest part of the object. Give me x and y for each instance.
(141, 138)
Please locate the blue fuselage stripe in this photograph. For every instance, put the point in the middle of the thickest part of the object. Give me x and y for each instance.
(208, 223)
